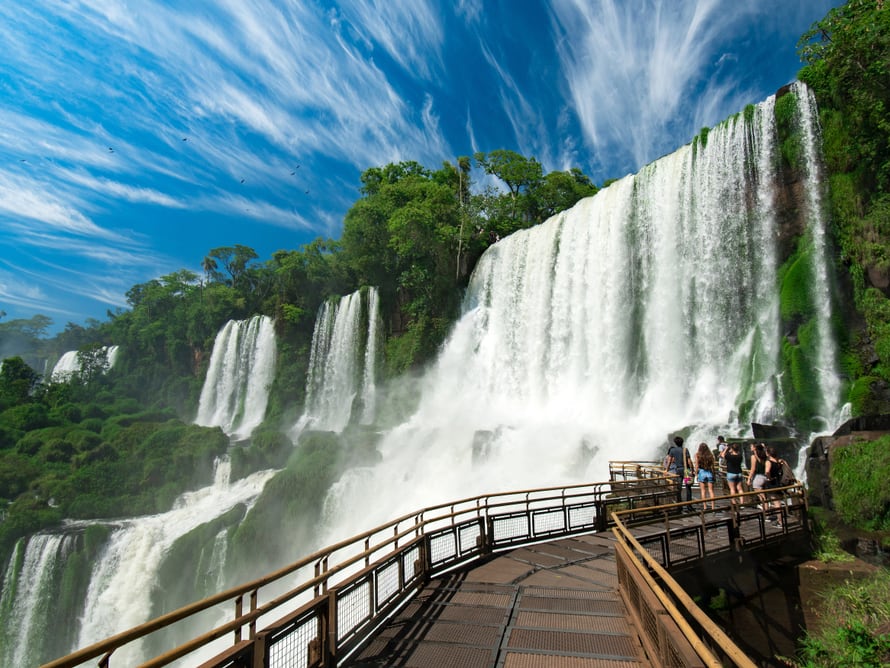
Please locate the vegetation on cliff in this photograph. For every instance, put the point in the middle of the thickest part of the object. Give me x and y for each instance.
(847, 57)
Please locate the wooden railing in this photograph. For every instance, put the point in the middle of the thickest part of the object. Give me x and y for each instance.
(673, 629)
(346, 590)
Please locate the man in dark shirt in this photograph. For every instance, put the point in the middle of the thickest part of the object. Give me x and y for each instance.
(676, 464)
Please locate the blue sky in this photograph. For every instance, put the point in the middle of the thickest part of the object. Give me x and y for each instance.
(136, 135)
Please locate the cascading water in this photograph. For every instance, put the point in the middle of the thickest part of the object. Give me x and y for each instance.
(30, 588)
(647, 308)
(69, 364)
(342, 363)
(827, 364)
(241, 370)
(122, 579)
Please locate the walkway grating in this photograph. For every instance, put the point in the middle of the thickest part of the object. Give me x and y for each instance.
(555, 604)
(548, 605)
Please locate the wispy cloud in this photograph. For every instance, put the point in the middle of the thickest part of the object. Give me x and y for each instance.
(410, 31)
(633, 70)
(15, 290)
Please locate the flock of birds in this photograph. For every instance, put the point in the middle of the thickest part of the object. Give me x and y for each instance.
(185, 139)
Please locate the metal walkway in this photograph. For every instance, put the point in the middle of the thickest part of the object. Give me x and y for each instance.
(508, 580)
(553, 604)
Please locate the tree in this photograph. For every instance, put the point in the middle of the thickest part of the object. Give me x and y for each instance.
(93, 362)
(560, 191)
(847, 56)
(520, 174)
(17, 381)
(234, 259)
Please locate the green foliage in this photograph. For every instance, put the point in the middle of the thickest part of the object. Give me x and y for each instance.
(790, 146)
(268, 449)
(860, 483)
(861, 610)
(26, 417)
(703, 136)
(17, 381)
(847, 56)
(795, 279)
(800, 347)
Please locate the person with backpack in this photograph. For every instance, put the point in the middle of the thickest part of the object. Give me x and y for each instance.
(777, 471)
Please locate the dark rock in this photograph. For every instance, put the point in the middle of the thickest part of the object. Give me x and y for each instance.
(764, 432)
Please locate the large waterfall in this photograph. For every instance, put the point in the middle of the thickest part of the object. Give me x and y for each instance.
(650, 307)
(241, 370)
(342, 365)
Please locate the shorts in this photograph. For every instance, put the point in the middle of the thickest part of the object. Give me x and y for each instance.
(705, 476)
(733, 477)
(759, 481)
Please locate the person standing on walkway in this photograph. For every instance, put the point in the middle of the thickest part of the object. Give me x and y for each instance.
(675, 462)
(773, 473)
(705, 467)
(688, 479)
(721, 446)
(757, 470)
(733, 458)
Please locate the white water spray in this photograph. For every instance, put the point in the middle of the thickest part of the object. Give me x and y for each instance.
(119, 596)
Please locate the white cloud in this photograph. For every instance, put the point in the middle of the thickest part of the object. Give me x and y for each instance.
(632, 70)
(408, 30)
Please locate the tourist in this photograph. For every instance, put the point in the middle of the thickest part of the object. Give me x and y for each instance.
(757, 471)
(721, 446)
(675, 464)
(773, 473)
(688, 468)
(705, 466)
(733, 458)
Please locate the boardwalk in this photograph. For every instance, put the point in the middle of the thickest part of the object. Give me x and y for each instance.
(553, 604)
(424, 589)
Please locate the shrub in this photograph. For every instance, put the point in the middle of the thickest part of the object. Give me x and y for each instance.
(860, 484)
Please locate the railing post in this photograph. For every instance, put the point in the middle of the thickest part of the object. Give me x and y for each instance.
(602, 518)
(330, 648)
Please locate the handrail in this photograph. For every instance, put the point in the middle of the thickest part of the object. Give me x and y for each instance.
(410, 548)
(632, 555)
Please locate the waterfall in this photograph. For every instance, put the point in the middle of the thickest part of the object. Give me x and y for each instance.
(119, 596)
(69, 364)
(342, 362)
(649, 307)
(827, 365)
(30, 588)
(66, 367)
(241, 370)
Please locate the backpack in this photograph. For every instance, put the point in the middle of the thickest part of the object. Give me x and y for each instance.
(787, 475)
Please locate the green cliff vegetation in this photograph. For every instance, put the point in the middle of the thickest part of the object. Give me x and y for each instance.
(847, 57)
